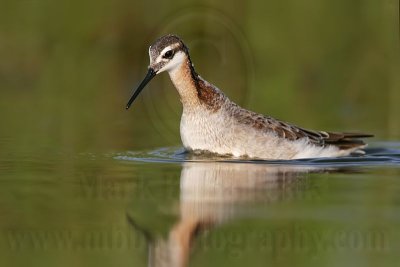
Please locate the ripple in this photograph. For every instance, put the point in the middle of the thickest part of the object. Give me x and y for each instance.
(380, 153)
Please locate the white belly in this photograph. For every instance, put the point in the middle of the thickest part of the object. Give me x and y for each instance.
(219, 133)
(205, 130)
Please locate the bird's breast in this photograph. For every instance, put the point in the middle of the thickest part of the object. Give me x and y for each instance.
(205, 130)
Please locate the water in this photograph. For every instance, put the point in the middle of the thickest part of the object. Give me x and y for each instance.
(166, 207)
(81, 183)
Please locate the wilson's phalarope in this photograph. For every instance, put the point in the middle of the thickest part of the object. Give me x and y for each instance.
(211, 122)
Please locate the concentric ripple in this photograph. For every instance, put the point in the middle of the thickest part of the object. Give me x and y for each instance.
(379, 153)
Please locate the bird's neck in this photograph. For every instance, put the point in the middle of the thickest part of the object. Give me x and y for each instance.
(184, 79)
(193, 90)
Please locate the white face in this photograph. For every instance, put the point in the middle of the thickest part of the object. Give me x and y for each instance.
(168, 60)
(175, 62)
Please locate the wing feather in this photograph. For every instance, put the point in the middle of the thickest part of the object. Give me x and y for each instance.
(292, 132)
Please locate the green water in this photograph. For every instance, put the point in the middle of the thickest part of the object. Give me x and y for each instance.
(127, 209)
(86, 183)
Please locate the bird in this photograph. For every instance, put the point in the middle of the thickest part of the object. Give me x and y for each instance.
(212, 123)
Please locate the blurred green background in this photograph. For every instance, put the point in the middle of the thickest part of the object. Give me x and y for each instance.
(67, 69)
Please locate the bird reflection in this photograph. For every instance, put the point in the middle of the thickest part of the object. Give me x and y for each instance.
(213, 193)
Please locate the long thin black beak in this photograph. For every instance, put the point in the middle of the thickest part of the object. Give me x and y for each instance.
(150, 74)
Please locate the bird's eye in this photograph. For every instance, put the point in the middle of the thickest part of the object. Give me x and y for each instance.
(169, 54)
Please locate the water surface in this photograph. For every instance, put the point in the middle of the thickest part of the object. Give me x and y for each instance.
(83, 182)
(165, 207)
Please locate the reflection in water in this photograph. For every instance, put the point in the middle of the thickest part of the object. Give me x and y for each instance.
(213, 193)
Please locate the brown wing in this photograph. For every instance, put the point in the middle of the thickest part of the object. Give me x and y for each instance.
(292, 132)
(322, 138)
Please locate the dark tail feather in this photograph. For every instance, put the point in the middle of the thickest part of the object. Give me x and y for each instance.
(346, 140)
